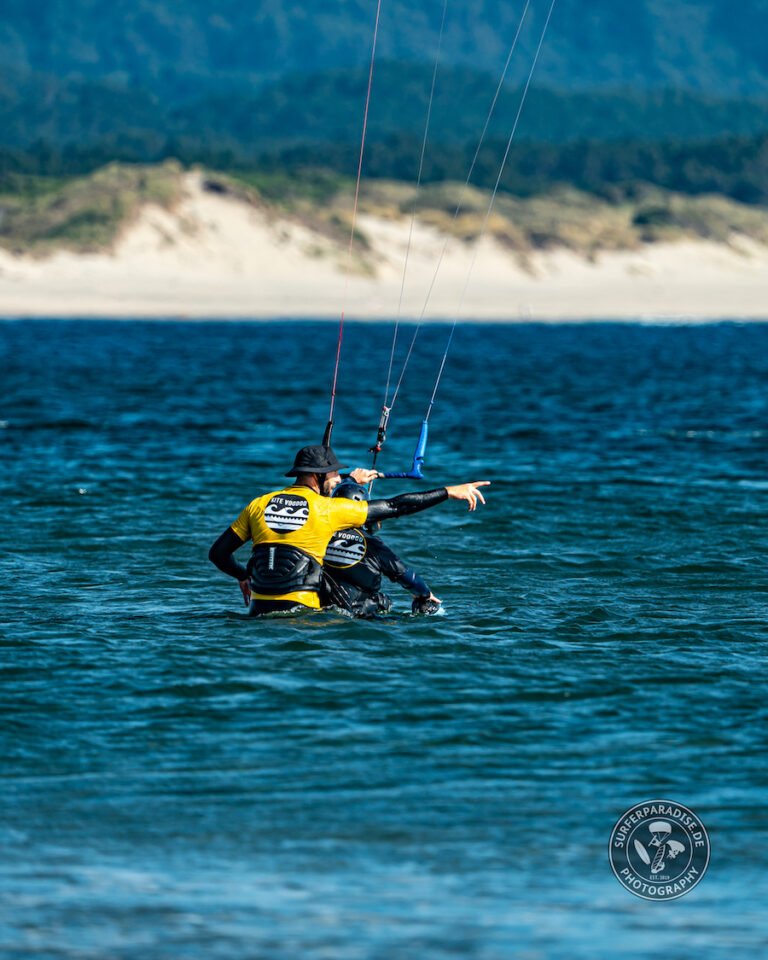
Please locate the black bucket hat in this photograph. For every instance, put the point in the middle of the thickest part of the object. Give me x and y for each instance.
(315, 460)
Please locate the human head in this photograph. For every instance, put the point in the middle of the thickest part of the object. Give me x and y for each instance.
(317, 467)
(349, 489)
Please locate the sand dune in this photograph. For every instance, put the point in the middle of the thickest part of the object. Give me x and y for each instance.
(216, 256)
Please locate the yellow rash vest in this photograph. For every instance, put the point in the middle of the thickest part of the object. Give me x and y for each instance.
(298, 517)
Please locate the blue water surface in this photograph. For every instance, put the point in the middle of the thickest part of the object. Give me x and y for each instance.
(181, 782)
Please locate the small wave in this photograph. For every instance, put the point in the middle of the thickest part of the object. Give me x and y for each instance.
(66, 424)
(706, 566)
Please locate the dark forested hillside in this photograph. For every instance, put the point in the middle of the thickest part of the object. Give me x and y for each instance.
(673, 94)
(327, 107)
(178, 49)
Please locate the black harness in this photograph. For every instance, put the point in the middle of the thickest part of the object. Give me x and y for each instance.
(277, 568)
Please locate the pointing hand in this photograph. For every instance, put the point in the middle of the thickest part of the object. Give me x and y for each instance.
(469, 492)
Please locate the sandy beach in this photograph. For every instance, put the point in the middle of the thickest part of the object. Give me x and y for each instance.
(219, 257)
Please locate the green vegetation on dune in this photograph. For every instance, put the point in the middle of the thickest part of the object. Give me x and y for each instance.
(566, 218)
(313, 186)
(561, 218)
(41, 214)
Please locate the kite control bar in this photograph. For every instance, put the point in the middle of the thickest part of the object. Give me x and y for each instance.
(415, 473)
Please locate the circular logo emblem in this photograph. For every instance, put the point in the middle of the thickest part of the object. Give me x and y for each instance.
(659, 850)
(286, 512)
(347, 547)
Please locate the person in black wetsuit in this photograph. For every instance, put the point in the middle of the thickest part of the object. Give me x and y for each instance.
(291, 528)
(356, 562)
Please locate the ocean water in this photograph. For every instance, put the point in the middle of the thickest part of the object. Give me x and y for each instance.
(181, 782)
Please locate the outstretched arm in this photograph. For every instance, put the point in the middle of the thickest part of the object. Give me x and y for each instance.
(408, 503)
(404, 504)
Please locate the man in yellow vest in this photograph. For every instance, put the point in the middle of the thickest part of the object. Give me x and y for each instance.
(291, 528)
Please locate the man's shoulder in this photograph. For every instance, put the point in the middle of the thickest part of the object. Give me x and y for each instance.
(343, 505)
(282, 492)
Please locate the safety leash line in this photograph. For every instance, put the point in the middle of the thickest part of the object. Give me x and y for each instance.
(462, 197)
(329, 427)
(491, 203)
(381, 433)
(419, 176)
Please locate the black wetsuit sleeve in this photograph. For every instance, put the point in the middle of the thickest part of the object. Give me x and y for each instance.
(393, 567)
(416, 584)
(221, 554)
(386, 559)
(404, 504)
